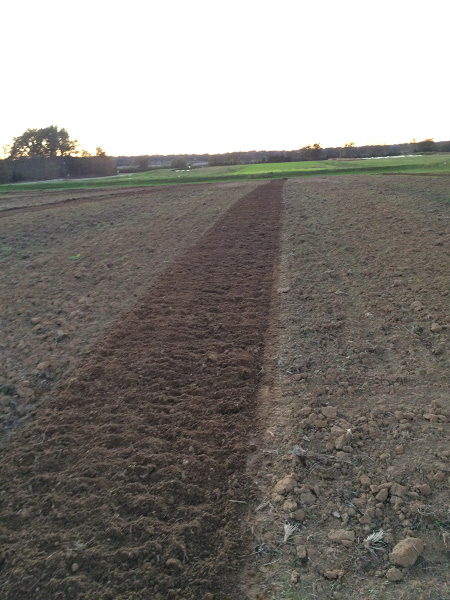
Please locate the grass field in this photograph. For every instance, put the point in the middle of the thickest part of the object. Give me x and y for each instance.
(431, 164)
(402, 164)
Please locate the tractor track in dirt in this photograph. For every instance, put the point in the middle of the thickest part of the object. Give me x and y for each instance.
(129, 482)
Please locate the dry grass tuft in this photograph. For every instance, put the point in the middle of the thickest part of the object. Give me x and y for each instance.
(374, 541)
(289, 529)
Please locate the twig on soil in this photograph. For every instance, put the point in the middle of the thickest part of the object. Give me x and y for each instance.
(272, 563)
(300, 452)
(348, 502)
(261, 550)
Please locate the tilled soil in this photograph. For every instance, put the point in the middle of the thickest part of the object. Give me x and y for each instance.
(70, 265)
(355, 454)
(35, 201)
(129, 482)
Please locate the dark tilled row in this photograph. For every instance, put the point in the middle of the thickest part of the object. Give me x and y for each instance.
(128, 483)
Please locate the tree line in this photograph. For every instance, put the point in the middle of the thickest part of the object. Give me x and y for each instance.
(49, 153)
(317, 152)
(307, 153)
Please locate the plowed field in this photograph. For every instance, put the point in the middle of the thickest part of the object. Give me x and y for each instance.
(129, 482)
(233, 391)
(71, 262)
(357, 415)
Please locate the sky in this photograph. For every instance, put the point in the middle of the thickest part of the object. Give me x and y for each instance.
(155, 77)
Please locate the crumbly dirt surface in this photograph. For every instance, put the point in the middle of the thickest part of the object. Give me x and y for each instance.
(255, 427)
(70, 262)
(355, 410)
(130, 480)
(31, 200)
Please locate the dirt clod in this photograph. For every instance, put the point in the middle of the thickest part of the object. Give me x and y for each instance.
(174, 563)
(294, 577)
(285, 485)
(394, 574)
(333, 574)
(425, 489)
(406, 552)
(299, 515)
(382, 495)
(330, 412)
(398, 490)
(290, 505)
(340, 535)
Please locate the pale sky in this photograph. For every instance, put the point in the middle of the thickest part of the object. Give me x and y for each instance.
(162, 77)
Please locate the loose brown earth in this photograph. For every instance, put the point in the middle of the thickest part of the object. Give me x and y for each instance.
(128, 483)
(356, 409)
(53, 304)
(166, 467)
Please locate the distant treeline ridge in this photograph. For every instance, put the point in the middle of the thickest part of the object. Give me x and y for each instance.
(63, 167)
(315, 152)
